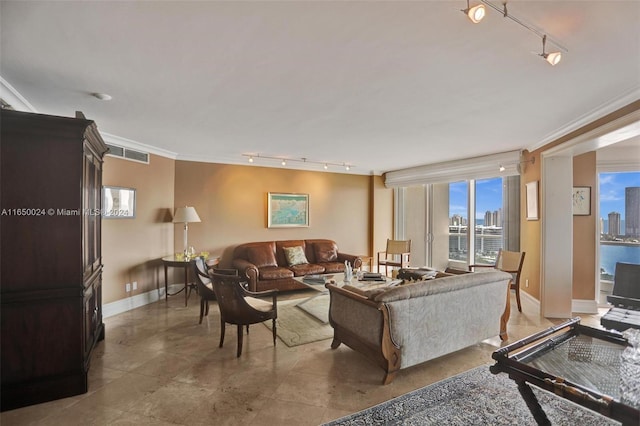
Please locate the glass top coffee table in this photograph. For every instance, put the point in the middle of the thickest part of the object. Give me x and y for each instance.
(578, 363)
(318, 284)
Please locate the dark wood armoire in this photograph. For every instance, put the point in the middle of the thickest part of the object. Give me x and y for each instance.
(50, 258)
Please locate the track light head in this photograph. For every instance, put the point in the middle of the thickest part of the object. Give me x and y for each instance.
(475, 13)
(554, 57)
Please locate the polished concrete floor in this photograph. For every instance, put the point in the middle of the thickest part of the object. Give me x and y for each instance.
(158, 366)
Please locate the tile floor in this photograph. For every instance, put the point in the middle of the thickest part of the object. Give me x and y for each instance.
(158, 366)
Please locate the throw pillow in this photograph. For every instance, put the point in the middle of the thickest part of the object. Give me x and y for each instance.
(295, 255)
(325, 252)
(262, 256)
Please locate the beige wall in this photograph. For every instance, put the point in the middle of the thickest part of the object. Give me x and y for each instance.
(131, 248)
(231, 201)
(584, 231)
(382, 215)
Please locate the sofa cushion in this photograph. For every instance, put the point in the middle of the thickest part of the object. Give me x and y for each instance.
(306, 269)
(326, 252)
(332, 267)
(274, 273)
(261, 256)
(295, 255)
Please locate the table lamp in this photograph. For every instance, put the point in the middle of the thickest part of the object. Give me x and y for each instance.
(185, 215)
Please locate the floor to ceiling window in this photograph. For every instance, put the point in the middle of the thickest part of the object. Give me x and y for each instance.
(489, 221)
(489, 207)
(458, 221)
(619, 207)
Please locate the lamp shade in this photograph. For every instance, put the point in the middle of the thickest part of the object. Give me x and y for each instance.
(186, 214)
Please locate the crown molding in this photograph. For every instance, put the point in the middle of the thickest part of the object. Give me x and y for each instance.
(613, 105)
(14, 98)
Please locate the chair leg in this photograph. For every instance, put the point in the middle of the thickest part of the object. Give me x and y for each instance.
(222, 327)
(240, 335)
(273, 329)
(201, 310)
(517, 288)
(247, 328)
(206, 304)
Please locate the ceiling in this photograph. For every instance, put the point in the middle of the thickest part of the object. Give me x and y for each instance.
(379, 85)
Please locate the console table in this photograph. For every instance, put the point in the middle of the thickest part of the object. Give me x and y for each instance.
(185, 263)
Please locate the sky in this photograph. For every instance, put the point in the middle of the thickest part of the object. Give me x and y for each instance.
(612, 187)
(488, 197)
(489, 194)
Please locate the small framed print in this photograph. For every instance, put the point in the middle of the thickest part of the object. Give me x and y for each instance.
(532, 200)
(581, 200)
(118, 203)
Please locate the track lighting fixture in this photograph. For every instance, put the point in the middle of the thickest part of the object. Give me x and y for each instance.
(283, 161)
(475, 13)
(554, 57)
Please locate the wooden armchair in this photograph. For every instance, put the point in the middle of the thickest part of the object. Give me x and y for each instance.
(511, 262)
(204, 286)
(242, 307)
(396, 255)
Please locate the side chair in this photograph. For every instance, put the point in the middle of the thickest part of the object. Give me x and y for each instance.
(511, 262)
(242, 307)
(396, 254)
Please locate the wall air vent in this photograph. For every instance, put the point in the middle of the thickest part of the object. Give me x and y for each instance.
(128, 154)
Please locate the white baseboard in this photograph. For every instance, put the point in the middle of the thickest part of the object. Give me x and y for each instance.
(584, 306)
(533, 300)
(124, 305)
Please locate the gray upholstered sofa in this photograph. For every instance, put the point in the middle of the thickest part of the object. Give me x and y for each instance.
(412, 323)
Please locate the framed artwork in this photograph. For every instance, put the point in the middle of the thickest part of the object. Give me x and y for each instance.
(532, 200)
(581, 200)
(118, 202)
(287, 210)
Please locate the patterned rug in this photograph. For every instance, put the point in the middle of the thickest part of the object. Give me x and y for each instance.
(476, 397)
(300, 325)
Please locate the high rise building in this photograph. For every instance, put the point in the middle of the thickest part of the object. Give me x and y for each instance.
(614, 224)
(632, 211)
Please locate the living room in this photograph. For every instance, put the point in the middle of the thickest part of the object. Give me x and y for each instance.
(356, 209)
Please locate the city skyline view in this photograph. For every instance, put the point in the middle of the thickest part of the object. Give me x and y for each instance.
(612, 191)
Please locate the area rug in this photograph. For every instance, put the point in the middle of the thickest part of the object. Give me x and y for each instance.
(297, 326)
(476, 397)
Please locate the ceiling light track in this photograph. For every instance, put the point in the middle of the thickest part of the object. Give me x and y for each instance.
(476, 13)
(284, 161)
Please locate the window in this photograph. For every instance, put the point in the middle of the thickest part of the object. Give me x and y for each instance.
(491, 208)
(489, 221)
(619, 207)
(458, 220)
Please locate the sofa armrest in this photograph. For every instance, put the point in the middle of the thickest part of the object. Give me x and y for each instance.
(249, 270)
(356, 261)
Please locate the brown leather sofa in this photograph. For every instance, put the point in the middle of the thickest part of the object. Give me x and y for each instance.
(265, 263)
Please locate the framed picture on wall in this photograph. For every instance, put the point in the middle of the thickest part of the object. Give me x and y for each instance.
(287, 210)
(581, 200)
(532, 200)
(118, 203)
